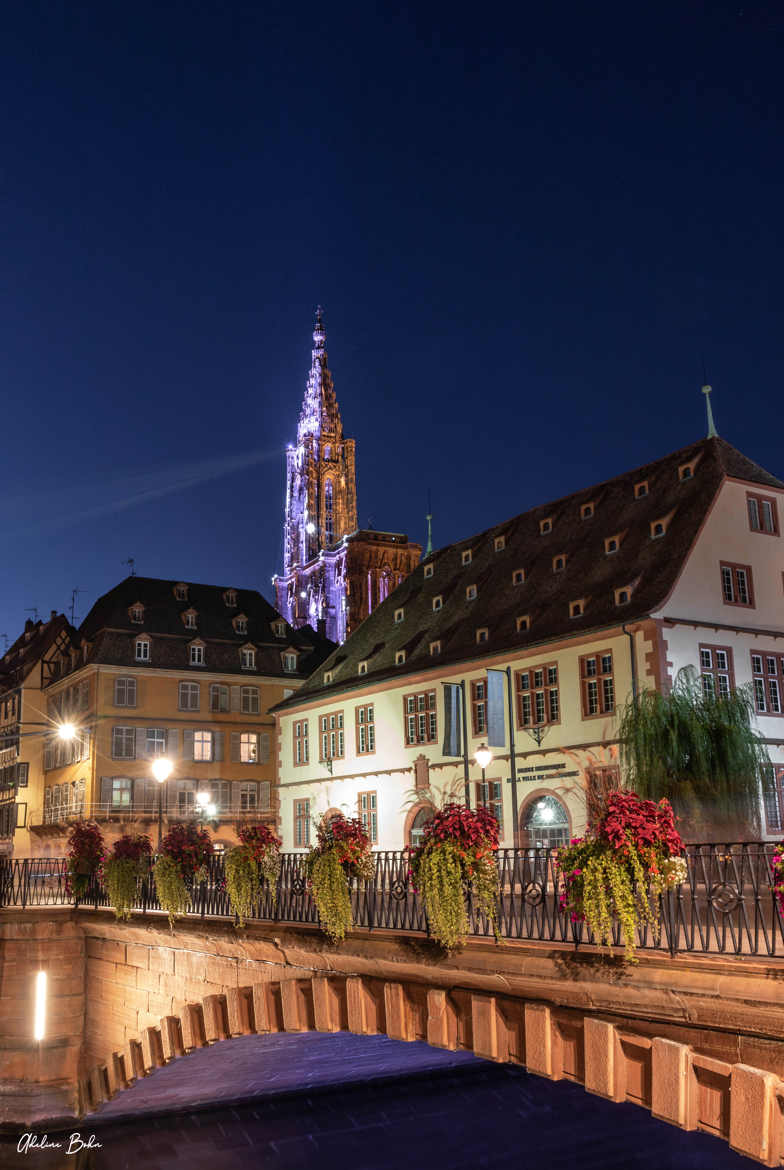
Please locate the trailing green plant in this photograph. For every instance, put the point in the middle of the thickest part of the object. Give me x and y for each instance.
(457, 854)
(130, 861)
(242, 881)
(265, 847)
(173, 894)
(620, 869)
(85, 857)
(342, 852)
(182, 861)
(700, 752)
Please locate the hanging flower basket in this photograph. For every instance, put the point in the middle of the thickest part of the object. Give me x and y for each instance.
(457, 855)
(256, 858)
(619, 870)
(182, 861)
(129, 862)
(342, 852)
(85, 857)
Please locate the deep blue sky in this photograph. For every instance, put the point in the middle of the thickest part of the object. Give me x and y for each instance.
(527, 223)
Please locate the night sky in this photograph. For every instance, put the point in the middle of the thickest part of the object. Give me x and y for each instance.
(529, 224)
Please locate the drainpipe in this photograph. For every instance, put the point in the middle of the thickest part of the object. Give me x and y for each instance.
(633, 658)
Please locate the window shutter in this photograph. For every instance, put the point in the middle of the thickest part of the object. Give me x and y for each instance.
(137, 793)
(236, 698)
(141, 743)
(217, 741)
(264, 794)
(235, 795)
(106, 791)
(133, 692)
(187, 745)
(235, 747)
(264, 747)
(172, 742)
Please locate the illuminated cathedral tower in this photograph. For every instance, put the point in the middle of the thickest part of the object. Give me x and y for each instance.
(334, 574)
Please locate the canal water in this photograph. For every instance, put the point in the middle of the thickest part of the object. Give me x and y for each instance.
(292, 1102)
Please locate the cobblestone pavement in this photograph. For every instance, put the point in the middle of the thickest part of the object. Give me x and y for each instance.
(399, 1107)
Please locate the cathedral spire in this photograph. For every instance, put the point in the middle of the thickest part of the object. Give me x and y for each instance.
(320, 413)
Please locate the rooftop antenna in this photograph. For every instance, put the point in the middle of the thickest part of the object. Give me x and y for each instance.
(74, 594)
(429, 518)
(34, 611)
(131, 562)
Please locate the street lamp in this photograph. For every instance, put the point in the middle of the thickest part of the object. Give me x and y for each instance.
(161, 770)
(483, 757)
(66, 731)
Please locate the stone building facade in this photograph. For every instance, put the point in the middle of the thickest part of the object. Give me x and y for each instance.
(334, 574)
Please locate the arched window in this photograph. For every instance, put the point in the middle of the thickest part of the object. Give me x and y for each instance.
(418, 826)
(328, 519)
(545, 823)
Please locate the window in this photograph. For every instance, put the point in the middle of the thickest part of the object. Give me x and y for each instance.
(716, 670)
(186, 801)
(736, 586)
(546, 824)
(611, 544)
(121, 792)
(559, 563)
(767, 672)
(467, 556)
(435, 648)
(470, 592)
(586, 512)
(202, 746)
(125, 692)
(197, 655)
(421, 724)
(576, 609)
(417, 831)
(279, 629)
(249, 747)
(142, 650)
(479, 706)
(428, 571)
(523, 624)
(327, 677)
(301, 824)
(123, 743)
(773, 798)
(763, 514)
(366, 730)
(623, 596)
(188, 699)
(368, 815)
(685, 471)
(219, 696)
(499, 544)
(248, 796)
(301, 750)
(249, 700)
(137, 614)
(190, 619)
(400, 657)
(399, 615)
(241, 624)
(362, 668)
(518, 577)
(481, 635)
(641, 489)
(658, 528)
(290, 663)
(489, 795)
(156, 741)
(220, 791)
(538, 697)
(545, 526)
(181, 592)
(438, 602)
(230, 598)
(332, 740)
(248, 658)
(598, 684)
(329, 515)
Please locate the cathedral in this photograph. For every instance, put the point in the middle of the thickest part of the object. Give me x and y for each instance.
(334, 573)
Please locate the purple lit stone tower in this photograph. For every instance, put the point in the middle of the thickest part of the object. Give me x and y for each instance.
(333, 574)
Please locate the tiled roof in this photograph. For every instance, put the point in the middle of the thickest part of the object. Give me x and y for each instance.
(37, 637)
(111, 632)
(646, 566)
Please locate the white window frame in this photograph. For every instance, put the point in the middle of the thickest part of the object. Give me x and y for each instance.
(250, 703)
(203, 743)
(188, 688)
(142, 650)
(197, 656)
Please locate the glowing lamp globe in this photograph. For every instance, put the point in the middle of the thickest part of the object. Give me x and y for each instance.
(202, 799)
(66, 731)
(162, 769)
(483, 756)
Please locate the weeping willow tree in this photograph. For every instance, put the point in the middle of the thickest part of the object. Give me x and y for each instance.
(701, 752)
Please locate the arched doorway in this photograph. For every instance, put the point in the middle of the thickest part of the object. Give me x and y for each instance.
(545, 822)
(415, 828)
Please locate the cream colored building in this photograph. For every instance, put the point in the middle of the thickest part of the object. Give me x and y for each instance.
(620, 586)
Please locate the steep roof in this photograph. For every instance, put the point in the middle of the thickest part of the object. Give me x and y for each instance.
(647, 567)
(111, 632)
(28, 649)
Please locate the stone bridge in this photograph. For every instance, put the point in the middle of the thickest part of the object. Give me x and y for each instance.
(698, 1040)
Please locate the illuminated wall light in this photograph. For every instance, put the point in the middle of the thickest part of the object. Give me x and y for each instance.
(39, 1020)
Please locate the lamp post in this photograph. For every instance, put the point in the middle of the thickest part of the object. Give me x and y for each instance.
(203, 804)
(161, 770)
(483, 757)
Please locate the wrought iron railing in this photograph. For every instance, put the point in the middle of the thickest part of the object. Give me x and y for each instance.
(726, 904)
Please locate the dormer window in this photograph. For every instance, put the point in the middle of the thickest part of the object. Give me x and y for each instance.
(399, 615)
(362, 667)
(230, 598)
(181, 591)
(438, 602)
(686, 470)
(137, 613)
(290, 662)
(327, 677)
(518, 577)
(470, 592)
(587, 510)
(248, 657)
(577, 608)
(435, 649)
(559, 563)
(467, 556)
(240, 624)
(189, 618)
(428, 572)
(545, 526)
(623, 596)
(612, 544)
(523, 624)
(279, 629)
(660, 526)
(142, 650)
(641, 489)
(196, 654)
(400, 657)
(481, 634)
(499, 544)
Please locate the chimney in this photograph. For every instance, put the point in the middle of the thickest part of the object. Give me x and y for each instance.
(29, 625)
(52, 615)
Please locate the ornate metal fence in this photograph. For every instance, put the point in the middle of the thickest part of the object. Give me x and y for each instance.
(726, 905)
